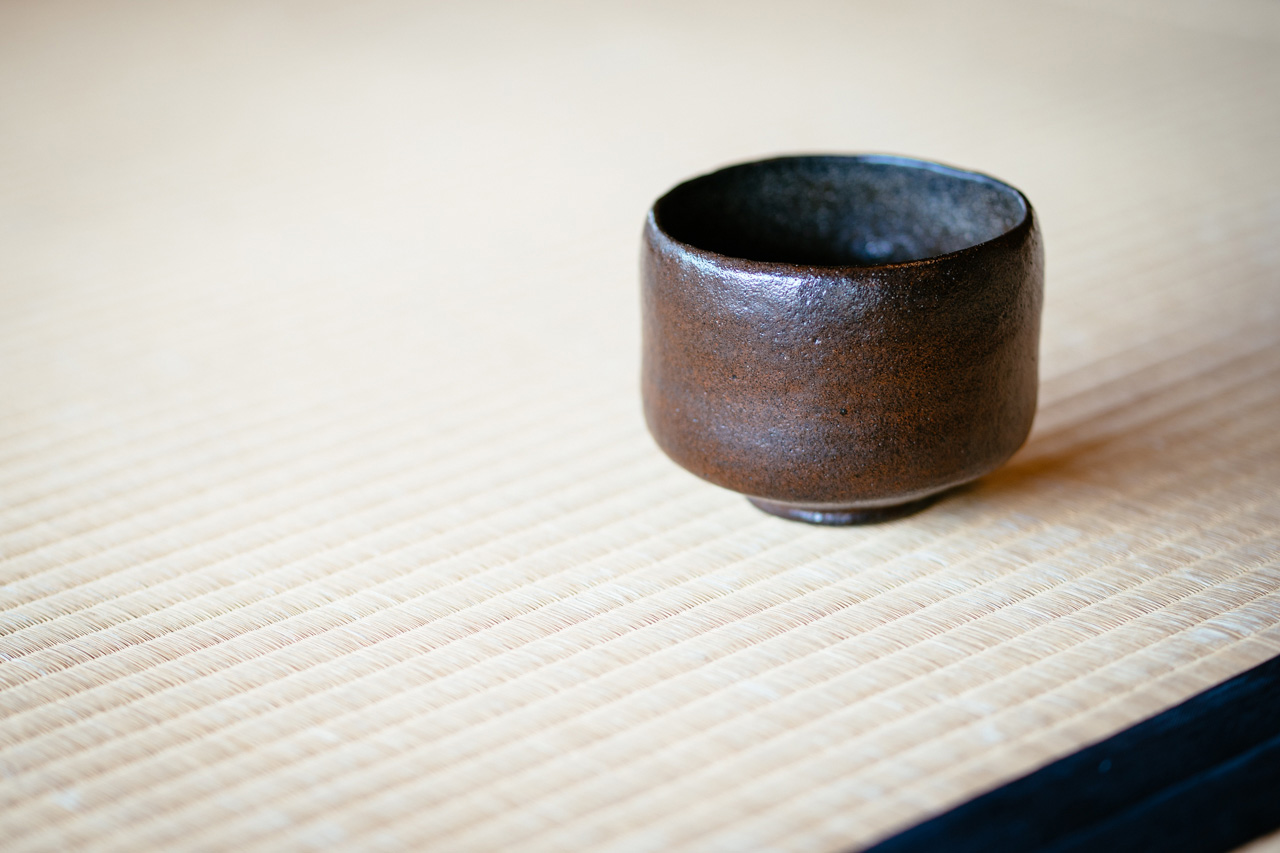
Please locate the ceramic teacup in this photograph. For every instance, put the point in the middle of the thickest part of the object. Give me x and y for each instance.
(841, 338)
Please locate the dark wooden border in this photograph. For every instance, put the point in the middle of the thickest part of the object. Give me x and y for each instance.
(1202, 776)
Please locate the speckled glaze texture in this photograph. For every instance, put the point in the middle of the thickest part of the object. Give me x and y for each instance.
(841, 339)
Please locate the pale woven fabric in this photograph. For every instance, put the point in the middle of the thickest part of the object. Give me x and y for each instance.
(329, 517)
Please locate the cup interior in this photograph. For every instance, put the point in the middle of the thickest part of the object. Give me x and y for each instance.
(839, 211)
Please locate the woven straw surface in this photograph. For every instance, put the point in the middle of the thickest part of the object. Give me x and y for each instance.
(328, 515)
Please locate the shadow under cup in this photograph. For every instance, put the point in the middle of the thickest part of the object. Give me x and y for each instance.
(841, 338)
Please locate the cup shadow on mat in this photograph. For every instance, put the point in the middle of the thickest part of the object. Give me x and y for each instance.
(1150, 424)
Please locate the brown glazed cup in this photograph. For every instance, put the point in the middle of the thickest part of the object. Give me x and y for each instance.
(841, 338)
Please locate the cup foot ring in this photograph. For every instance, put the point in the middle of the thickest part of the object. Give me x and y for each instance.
(842, 517)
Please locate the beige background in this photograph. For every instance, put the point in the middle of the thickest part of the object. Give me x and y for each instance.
(329, 519)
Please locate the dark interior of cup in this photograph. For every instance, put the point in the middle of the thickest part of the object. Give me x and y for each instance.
(839, 211)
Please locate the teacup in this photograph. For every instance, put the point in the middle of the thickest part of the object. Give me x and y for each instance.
(841, 338)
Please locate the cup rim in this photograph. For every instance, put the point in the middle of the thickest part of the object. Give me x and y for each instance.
(792, 268)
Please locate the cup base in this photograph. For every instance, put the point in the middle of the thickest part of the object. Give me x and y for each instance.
(839, 517)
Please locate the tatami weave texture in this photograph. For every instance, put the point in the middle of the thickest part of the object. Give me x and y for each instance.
(327, 513)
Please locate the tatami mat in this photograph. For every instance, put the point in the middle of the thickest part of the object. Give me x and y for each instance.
(329, 516)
